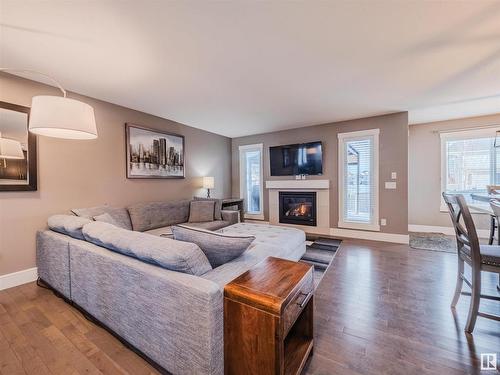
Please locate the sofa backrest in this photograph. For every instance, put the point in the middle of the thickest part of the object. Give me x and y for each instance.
(152, 215)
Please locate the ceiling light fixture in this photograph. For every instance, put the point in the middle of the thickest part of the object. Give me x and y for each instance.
(59, 116)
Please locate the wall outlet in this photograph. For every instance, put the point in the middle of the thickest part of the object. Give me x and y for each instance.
(394, 175)
(383, 222)
(390, 185)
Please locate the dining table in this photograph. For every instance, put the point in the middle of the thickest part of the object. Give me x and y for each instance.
(481, 204)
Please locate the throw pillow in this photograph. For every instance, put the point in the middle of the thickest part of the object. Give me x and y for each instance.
(68, 224)
(107, 218)
(218, 206)
(200, 211)
(163, 252)
(219, 248)
(119, 214)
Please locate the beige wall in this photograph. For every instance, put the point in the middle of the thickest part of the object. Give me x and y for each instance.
(86, 173)
(425, 170)
(393, 158)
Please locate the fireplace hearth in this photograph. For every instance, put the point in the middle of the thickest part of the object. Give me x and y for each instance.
(297, 208)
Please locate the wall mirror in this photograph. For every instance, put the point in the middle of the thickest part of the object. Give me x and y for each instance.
(18, 166)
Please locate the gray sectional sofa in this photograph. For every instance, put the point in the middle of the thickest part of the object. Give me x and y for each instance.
(174, 318)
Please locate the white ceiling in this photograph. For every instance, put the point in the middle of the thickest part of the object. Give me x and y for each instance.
(246, 67)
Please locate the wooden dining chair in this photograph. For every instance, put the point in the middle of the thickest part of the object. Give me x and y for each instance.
(479, 257)
(493, 189)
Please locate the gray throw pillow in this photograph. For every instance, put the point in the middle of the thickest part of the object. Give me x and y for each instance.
(218, 206)
(68, 224)
(163, 252)
(219, 248)
(107, 218)
(120, 214)
(200, 211)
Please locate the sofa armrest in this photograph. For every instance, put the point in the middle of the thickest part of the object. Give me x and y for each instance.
(176, 319)
(232, 216)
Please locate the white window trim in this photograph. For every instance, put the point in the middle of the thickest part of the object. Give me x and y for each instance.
(342, 137)
(258, 215)
(458, 135)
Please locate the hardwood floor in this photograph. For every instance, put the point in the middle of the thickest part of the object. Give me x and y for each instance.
(380, 309)
(384, 309)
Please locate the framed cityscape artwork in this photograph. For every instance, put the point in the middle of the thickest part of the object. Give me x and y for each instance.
(153, 153)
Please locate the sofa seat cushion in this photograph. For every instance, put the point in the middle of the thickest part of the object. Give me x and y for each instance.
(210, 225)
(119, 215)
(163, 252)
(219, 248)
(270, 235)
(162, 232)
(271, 240)
(68, 224)
(152, 215)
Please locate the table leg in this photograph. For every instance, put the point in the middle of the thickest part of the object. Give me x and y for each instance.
(492, 230)
(242, 211)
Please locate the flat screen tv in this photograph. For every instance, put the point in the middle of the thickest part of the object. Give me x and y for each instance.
(296, 159)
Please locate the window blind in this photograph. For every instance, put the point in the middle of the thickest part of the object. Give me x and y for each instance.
(358, 181)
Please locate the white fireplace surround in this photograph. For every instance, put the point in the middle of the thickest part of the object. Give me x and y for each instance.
(322, 189)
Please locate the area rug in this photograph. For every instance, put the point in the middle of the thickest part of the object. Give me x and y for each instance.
(320, 254)
(433, 242)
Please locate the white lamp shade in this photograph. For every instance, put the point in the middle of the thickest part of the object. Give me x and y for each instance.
(10, 149)
(208, 182)
(60, 117)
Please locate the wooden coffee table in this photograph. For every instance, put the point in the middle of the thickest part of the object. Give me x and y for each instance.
(268, 318)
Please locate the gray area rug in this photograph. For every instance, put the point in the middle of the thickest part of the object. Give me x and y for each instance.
(320, 254)
(433, 242)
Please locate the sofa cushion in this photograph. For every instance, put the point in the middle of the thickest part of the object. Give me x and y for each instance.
(162, 232)
(152, 215)
(218, 247)
(163, 252)
(120, 215)
(218, 206)
(200, 211)
(271, 240)
(68, 224)
(106, 218)
(210, 225)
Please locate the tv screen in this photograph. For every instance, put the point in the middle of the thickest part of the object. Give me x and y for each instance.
(290, 160)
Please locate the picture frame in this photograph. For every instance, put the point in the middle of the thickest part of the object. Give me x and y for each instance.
(18, 174)
(153, 154)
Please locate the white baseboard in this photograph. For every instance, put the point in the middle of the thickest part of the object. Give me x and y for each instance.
(373, 236)
(18, 278)
(449, 231)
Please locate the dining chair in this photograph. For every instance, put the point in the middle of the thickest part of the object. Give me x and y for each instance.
(493, 189)
(479, 257)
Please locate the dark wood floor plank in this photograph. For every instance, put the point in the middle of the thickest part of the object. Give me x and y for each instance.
(380, 309)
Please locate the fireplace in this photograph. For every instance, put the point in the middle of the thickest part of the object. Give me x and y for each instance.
(297, 208)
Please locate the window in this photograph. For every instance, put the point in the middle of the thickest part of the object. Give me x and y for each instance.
(358, 180)
(469, 162)
(251, 188)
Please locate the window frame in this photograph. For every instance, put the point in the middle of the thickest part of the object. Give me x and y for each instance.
(258, 215)
(374, 225)
(457, 135)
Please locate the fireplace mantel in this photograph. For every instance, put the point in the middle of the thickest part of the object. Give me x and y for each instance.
(298, 184)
